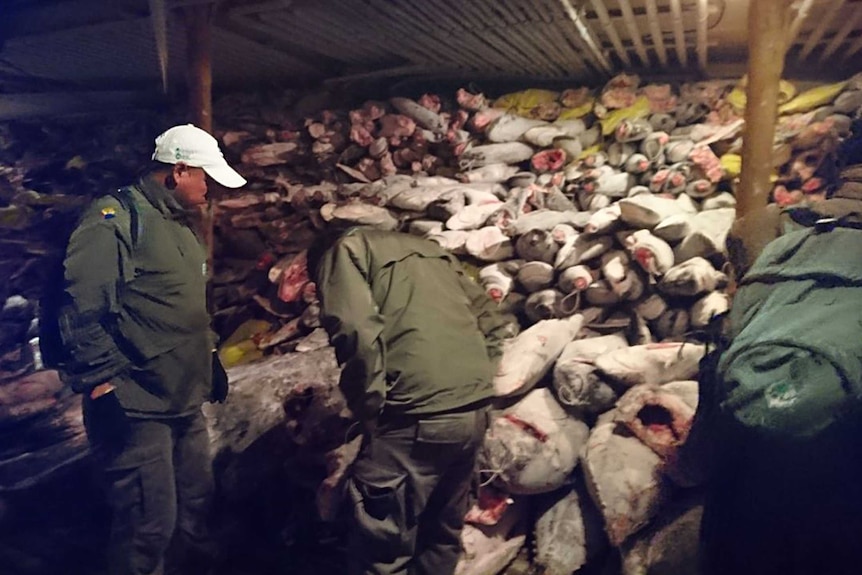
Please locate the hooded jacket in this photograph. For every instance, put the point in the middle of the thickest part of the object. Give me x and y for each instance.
(413, 333)
(138, 316)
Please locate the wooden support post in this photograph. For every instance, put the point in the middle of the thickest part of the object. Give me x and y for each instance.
(199, 60)
(198, 19)
(768, 21)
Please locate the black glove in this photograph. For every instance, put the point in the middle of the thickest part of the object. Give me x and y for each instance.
(220, 383)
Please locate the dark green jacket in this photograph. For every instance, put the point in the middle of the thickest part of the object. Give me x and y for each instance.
(413, 333)
(138, 316)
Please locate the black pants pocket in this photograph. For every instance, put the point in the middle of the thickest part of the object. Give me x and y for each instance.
(381, 511)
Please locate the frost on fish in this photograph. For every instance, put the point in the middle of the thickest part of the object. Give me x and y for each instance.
(533, 446)
(575, 378)
(624, 478)
(568, 531)
(487, 550)
(527, 358)
(658, 417)
(692, 277)
(654, 363)
(670, 544)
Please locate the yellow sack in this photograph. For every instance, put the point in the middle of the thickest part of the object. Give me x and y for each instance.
(247, 330)
(239, 353)
(731, 164)
(813, 98)
(522, 102)
(579, 112)
(640, 109)
(738, 96)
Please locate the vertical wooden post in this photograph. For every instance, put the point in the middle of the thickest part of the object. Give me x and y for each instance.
(767, 32)
(199, 58)
(198, 19)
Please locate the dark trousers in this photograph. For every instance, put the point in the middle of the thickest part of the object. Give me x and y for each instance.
(159, 477)
(786, 506)
(410, 489)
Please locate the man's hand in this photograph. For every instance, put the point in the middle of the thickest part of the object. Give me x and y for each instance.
(102, 389)
(220, 382)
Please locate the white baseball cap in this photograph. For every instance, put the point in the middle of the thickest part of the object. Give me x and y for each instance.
(196, 148)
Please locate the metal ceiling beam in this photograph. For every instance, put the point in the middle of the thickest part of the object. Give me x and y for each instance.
(679, 32)
(804, 8)
(656, 33)
(702, 33)
(586, 35)
(849, 25)
(825, 21)
(635, 33)
(605, 19)
(854, 47)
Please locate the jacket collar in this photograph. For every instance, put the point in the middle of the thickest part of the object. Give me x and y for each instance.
(160, 197)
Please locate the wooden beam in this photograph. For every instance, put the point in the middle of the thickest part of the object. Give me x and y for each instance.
(198, 23)
(702, 33)
(198, 20)
(767, 36)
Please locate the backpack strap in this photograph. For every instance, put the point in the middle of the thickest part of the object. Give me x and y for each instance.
(811, 219)
(126, 198)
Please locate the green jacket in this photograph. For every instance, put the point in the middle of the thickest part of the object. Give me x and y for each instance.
(138, 316)
(413, 333)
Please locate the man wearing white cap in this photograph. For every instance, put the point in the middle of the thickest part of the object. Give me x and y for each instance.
(136, 332)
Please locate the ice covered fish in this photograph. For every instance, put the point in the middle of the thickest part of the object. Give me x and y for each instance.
(537, 245)
(424, 117)
(623, 477)
(568, 531)
(510, 128)
(692, 277)
(581, 248)
(653, 254)
(487, 550)
(536, 275)
(497, 279)
(709, 306)
(660, 418)
(533, 446)
(547, 220)
(647, 211)
(669, 544)
(454, 241)
(546, 304)
(709, 232)
(575, 378)
(361, 214)
(529, 356)
(489, 244)
(604, 220)
(504, 153)
(655, 363)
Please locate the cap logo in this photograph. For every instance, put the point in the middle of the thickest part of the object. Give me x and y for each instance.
(178, 155)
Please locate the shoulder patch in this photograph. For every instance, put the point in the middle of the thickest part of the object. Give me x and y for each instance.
(108, 213)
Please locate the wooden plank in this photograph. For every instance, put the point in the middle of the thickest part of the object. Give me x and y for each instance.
(767, 34)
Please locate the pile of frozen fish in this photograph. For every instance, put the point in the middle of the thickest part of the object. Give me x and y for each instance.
(598, 222)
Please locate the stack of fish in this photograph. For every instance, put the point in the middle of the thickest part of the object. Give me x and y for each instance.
(599, 222)
(596, 219)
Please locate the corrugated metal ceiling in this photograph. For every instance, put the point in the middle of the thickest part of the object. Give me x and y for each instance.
(289, 42)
